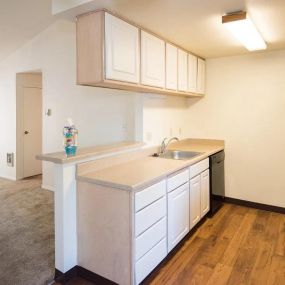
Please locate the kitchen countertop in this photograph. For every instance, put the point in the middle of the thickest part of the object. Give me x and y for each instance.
(139, 173)
(88, 152)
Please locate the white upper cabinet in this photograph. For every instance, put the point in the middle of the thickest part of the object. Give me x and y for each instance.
(121, 50)
(171, 67)
(114, 53)
(201, 76)
(192, 73)
(152, 60)
(182, 70)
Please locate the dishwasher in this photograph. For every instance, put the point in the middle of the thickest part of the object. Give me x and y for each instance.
(217, 181)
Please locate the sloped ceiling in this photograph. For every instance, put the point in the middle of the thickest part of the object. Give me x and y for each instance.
(193, 24)
(20, 21)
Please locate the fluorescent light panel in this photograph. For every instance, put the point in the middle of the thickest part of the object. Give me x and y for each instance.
(243, 29)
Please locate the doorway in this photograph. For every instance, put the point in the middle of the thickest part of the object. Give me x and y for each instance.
(29, 124)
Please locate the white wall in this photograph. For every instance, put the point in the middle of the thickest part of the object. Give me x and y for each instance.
(164, 116)
(59, 6)
(101, 115)
(245, 105)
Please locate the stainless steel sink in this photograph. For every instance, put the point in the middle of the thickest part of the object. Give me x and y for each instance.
(179, 154)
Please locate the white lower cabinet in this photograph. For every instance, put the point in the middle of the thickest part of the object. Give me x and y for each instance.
(136, 230)
(178, 215)
(195, 185)
(199, 191)
(150, 229)
(150, 238)
(205, 192)
(150, 260)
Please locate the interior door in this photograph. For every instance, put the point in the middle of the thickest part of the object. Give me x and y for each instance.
(32, 131)
(178, 215)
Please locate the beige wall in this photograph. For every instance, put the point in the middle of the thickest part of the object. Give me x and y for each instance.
(245, 105)
(163, 116)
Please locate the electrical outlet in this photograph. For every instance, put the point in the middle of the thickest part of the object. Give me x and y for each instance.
(170, 132)
(10, 159)
(180, 132)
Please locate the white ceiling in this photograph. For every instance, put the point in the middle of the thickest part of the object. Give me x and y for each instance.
(193, 24)
(20, 21)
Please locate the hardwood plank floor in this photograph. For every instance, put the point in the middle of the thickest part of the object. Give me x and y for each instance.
(238, 245)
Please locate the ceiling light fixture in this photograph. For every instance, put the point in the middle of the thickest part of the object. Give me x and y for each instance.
(243, 29)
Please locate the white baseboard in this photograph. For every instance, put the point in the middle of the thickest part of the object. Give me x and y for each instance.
(8, 177)
(48, 187)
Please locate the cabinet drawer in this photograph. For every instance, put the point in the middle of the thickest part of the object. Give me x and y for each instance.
(149, 195)
(199, 167)
(149, 261)
(150, 215)
(150, 238)
(176, 180)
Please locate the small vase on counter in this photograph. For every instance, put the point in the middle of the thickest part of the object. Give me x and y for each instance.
(70, 138)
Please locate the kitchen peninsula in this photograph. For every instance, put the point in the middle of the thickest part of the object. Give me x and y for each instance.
(133, 209)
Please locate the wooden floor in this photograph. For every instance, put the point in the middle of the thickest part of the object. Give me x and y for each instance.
(237, 246)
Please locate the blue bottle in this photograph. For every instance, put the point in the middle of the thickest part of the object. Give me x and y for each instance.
(70, 138)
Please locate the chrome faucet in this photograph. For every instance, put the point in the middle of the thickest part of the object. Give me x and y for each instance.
(164, 145)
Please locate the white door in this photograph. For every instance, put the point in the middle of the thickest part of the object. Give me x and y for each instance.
(205, 193)
(192, 73)
(152, 60)
(171, 67)
(178, 215)
(32, 123)
(201, 70)
(182, 70)
(195, 186)
(121, 50)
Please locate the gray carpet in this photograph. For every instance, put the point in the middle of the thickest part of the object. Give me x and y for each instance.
(26, 233)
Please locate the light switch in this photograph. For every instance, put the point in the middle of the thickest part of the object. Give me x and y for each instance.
(48, 112)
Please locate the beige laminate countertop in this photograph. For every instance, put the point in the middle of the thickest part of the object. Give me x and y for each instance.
(88, 152)
(139, 173)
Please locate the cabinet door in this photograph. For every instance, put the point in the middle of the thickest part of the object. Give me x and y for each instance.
(205, 193)
(182, 70)
(152, 60)
(195, 185)
(178, 215)
(171, 67)
(192, 73)
(121, 50)
(201, 70)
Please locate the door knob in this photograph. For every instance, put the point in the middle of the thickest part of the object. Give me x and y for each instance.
(26, 132)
